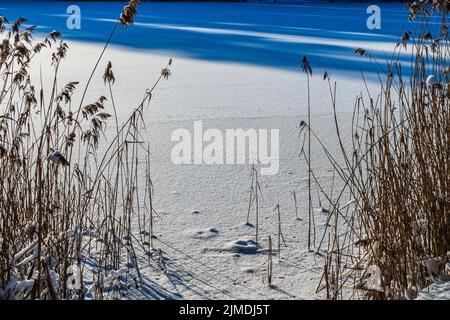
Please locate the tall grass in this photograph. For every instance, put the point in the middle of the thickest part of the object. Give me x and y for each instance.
(65, 203)
(392, 238)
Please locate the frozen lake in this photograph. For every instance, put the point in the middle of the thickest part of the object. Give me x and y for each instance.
(235, 66)
(258, 34)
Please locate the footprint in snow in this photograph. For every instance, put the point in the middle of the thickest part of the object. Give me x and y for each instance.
(323, 210)
(202, 234)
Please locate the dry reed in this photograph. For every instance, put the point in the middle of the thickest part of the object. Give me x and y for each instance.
(68, 208)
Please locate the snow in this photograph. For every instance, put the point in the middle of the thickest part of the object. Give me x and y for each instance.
(202, 234)
(114, 275)
(54, 278)
(16, 289)
(323, 210)
(431, 80)
(432, 266)
(439, 290)
(235, 66)
(24, 251)
(245, 246)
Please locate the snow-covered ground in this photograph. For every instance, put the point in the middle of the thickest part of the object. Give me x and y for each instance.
(202, 209)
(437, 291)
(235, 66)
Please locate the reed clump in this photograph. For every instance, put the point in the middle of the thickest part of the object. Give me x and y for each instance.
(72, 215)
(393, 238)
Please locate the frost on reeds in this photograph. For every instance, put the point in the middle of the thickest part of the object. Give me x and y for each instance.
(67, 208)
(393, 238)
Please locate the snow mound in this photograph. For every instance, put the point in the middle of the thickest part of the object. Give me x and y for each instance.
(242, 246)
(202, 234)
(249, 270)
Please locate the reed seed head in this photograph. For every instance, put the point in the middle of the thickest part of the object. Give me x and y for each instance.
(108, 76)
(306, 67)
(129, 13)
